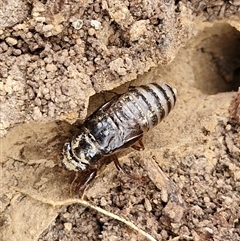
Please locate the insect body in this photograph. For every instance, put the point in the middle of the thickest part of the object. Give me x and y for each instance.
(118, 124)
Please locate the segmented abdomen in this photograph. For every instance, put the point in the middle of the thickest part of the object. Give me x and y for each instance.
(148, 104)
(123, 120)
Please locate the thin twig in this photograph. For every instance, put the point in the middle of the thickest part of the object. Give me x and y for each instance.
(87, 204)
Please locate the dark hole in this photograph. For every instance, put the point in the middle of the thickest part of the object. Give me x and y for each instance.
(216, 61)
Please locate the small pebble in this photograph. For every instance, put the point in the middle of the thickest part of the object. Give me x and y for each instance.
(96, 24)
(147, 205)
(11, 41)
(68, 226)
(228, 127)
(91, 31)
(51, 67)
(103, 202)
(77, 24)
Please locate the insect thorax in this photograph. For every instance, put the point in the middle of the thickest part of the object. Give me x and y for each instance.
(81, 152)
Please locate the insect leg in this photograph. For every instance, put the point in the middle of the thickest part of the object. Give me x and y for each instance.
(138, 145)
(117, 164)
(119, 167)
(71, 187)
(87, 178)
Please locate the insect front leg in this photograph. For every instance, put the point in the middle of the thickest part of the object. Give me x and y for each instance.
(88, 176)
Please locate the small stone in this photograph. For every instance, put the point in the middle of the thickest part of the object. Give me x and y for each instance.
(37, 101)
(96, 24)
(11, 41)
(206, 199)
(17, 52)
(103, 202)
(228, 127)
(228, 201)
(209, 230)
(91, 31)
(40, 19)
(51, 67)
(68, 226)
(147, 205)
(77, 24)
(37, 114)
(138, 29)
(118, 66)
(47, 27)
